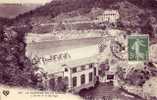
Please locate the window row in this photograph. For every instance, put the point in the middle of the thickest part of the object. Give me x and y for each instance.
(83, 67)
(83, 79)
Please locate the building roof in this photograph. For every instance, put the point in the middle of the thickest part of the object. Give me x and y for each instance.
(59, 67)
(51, 47)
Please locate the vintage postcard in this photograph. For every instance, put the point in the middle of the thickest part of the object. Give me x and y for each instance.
(78, 49)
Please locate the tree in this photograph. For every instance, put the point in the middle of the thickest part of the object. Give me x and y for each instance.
(16, 68)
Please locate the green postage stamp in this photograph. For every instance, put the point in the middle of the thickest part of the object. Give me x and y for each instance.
(138, 48)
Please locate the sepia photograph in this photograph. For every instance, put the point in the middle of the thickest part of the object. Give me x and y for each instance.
(78, 49)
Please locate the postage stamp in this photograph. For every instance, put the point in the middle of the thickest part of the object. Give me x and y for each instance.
(138, 48)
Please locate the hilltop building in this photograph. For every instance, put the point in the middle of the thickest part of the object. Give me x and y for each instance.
(110, 16)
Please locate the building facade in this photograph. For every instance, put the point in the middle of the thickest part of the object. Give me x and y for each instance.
(108, 16)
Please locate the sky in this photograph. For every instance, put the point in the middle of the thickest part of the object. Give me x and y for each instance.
(25, 1)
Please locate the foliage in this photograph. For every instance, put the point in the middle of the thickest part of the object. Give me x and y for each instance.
(16, 68)
(137, 77)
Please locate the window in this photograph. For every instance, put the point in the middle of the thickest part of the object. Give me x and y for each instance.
(83, 67)
(74, 81)
(66, 69)
(91, 65)
(110, 77)
(66, 80)
(83, 79)
(94, 71)
(74, 70)
(59, 79)
(52, 83)
(90, 76)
